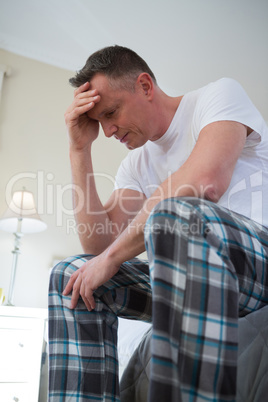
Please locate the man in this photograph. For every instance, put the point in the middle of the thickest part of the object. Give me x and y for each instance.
(179, 195)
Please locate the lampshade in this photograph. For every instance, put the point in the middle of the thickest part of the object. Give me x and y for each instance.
(21, 215)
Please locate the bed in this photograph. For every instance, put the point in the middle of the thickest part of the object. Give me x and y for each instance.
(252, 378)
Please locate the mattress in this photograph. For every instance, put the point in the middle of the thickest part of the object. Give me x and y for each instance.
(252, 373)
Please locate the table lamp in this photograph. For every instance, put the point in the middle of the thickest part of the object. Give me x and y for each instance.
(20, 218)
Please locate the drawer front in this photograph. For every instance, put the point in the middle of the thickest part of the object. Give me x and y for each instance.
(15, 393)
(20, 349)
(21, 344)
(15, 351)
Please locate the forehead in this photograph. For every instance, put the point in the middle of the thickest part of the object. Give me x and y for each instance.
(110, 96)
(101, 83)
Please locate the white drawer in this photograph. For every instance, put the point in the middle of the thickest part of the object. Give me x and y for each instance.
(15, 352)
(15, 393)
(21, 346)
(20, 349)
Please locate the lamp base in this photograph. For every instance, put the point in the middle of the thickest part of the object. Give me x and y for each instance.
(9, 304)
(15, 253)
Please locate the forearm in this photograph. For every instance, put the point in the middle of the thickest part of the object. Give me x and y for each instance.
(89, 212)
(180, 184)
(102, 268)
(131, 242)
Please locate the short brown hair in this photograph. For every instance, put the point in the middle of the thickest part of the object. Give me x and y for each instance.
(115, 62)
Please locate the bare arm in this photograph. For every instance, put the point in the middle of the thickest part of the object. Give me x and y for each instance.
(206, 173)
(99, 224)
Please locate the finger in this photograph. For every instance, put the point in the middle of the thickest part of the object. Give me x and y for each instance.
(82, 105)
(76, 292)
(74, 113)
(69, 286)
(84, 297)
(89, 297)
(85, 100)
(82, 88)
(92, 301)
(89, 301)
(78, 109)
(87, 94)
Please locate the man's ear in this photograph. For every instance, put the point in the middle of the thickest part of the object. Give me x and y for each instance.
(145, 84)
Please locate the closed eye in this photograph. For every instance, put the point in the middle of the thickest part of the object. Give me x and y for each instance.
(110, 114)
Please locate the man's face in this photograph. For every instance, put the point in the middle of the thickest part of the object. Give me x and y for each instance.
(121, 113)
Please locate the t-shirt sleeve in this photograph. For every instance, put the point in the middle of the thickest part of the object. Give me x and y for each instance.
(125, 177)
(226, 99)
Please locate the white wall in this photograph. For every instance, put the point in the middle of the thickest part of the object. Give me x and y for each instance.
(187, 43)
(34, 154)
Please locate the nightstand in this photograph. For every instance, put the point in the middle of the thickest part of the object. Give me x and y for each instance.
(22, 334)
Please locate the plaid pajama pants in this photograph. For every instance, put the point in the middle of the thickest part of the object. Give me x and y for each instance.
(208, 266)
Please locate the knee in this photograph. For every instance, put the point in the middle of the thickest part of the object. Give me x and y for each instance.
(183, 215)
(61, 272)
(182, 206)
(176, 208)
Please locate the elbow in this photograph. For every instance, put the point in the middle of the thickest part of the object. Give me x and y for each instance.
(94, 246)
(211, 193)
(213, 189)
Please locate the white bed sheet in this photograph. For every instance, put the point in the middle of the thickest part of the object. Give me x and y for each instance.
(130, 333)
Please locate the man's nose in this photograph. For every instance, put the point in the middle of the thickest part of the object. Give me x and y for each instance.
(109, 129)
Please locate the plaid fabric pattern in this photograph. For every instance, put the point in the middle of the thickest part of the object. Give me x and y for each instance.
(208, 266)
(83, 364)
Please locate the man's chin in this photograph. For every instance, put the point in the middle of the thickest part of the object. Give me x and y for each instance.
(132, 146)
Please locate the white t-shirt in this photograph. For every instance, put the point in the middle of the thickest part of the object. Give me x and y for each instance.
(145, 168)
